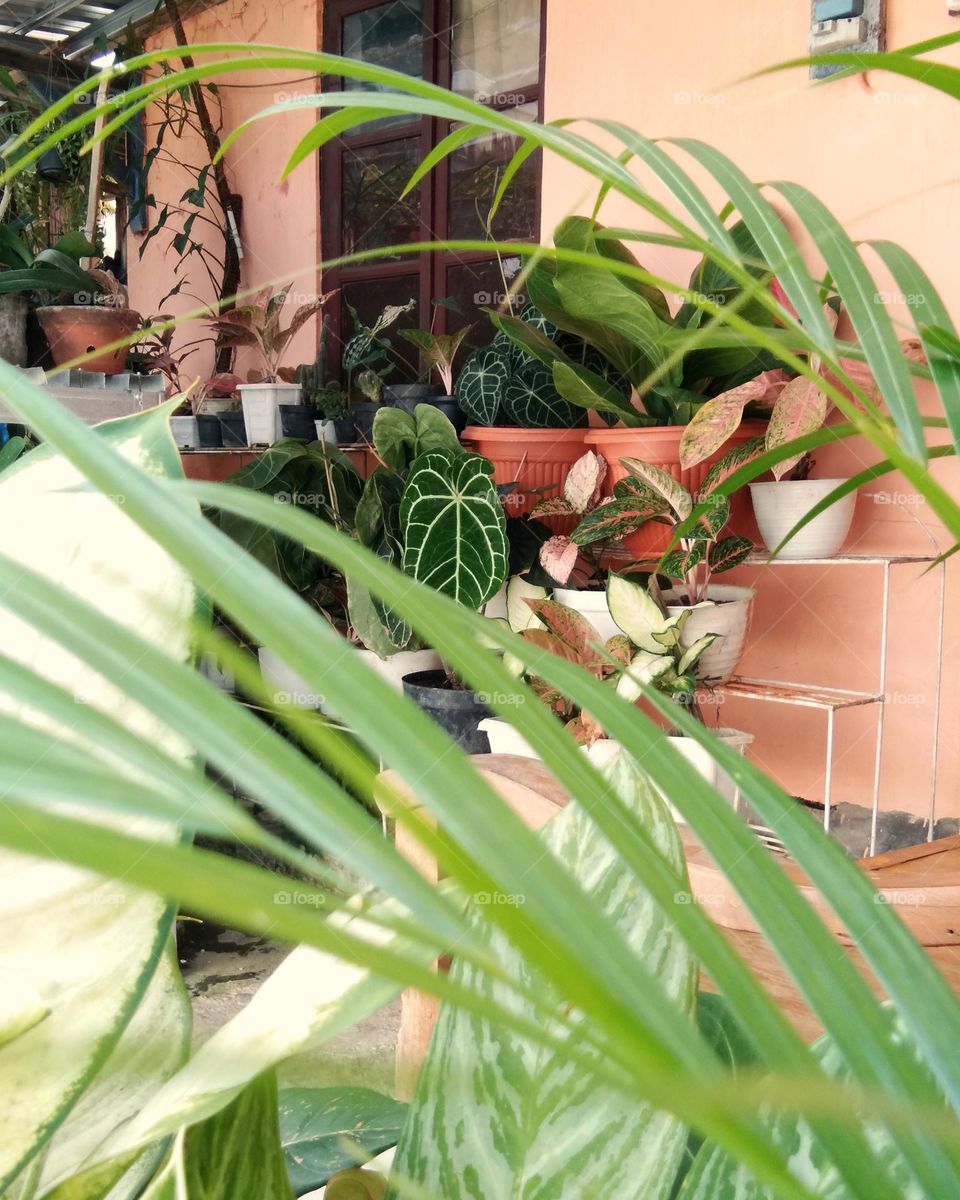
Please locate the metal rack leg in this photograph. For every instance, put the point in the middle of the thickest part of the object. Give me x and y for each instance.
(881, 709)
(828, 780)
(932, 819)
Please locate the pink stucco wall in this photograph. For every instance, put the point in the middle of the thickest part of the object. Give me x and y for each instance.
(280, 226)
(882, 154)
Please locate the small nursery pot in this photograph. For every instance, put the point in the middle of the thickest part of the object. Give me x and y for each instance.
(233, 429)
(261, 404)
(357, 425)
(727, 613)
(408, 395)
(185, 432)
(457, 711)
(209, 430)
(298, 421)
(76, 329)
(326, 431)
(779, 506)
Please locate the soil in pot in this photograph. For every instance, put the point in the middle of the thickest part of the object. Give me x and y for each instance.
(298, 421)
(209, 430)
(779, 506)
(233, 430)
(457, 711)
(74, 330)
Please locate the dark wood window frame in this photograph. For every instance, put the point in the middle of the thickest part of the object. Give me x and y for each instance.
(430, 269)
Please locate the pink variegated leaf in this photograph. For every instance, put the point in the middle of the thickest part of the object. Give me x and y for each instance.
(585, 730)
(801, 409)
(781, 298)
(717, 419)
(581, 488)
(833, 319)
(570, 627)
(553, 506)
(558, 557)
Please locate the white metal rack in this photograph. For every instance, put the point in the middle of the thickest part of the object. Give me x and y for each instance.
(833, 700)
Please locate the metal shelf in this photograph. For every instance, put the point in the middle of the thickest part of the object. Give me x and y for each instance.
(758, 558)
(802, 694)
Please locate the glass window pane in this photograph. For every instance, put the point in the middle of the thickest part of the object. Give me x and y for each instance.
(370, 297)
(496, 49)
(388, 35)
(375, 213)
(475, 173)
(478, 286)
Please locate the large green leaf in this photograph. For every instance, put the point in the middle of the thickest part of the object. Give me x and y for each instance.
(323, 1130)
(79, 952)
(494, 1114)
(531, 399)
(481, 384)
(454, 527)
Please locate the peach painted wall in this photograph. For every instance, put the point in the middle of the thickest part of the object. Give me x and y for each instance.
(280, 226)
(883, 156)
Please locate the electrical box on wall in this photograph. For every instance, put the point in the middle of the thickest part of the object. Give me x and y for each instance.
(845, 26)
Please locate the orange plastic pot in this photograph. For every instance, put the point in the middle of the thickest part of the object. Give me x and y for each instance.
(660, 446)
(535, 458)
(77, 329)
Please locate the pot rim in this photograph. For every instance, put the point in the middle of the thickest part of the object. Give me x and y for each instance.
(795, 483)
(744, 594)
(255, 387)
(665, 433)
(103, 312)
(511, 433)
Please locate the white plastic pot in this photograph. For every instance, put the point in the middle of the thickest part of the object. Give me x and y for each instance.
(779, 506)
(726, 612)
(592, 605)
(290, 688)
(326, 432)
(504, 739)
(185, 432)
(261, 409)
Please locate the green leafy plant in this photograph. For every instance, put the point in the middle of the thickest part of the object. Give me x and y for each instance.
(55, 269)
(326, 397)
(438, 351)
(258, 325)
(371, 351)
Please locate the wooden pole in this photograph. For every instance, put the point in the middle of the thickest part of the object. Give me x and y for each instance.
(96, 166)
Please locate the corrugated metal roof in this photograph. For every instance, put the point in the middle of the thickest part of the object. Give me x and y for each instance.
(72, 26)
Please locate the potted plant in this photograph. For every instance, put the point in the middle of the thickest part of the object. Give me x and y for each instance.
(647, 648)
(648, 492)
(326, 400)
(369, 359)
(89, 309)
(621, 337)
(258, 326)
(438, 351)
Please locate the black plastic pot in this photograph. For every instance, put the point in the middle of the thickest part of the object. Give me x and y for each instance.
(408, 395)
(209, 430)
(357, 425)
(233, 429)
(297, 421)
(455, 710)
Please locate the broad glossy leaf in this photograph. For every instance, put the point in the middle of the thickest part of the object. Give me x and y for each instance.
(497, 1115)
(323, 1130)
(715, 421)
(531, 400)
(663, 483)
(732, 461)
(729, 552)
(617, 518)
(481, 384)
(79, 952)
(636, 612)
(454, 531)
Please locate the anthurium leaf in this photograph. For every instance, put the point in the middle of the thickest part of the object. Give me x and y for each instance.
(512, 1119)
(728, 553)
(395, 437)
(482, 382)
(79, 953)
(324, 1130)
(663, 483)
(531, 400)
(454, 529)
(435, 431)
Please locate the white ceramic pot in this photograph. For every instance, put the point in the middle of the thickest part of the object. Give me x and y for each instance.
(592, 605)
(504, 739)
(779, 506)
(725, 612)
(261, 409)
(185, 432)
(326, 432)
(404, 662)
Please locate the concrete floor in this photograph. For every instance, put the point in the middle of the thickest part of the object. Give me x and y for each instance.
(226, 970)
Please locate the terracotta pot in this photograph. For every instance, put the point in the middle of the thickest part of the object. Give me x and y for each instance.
(536, 458)
(660, 446)
(77, 329)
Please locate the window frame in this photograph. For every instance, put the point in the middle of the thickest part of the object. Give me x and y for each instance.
(430, 268)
